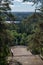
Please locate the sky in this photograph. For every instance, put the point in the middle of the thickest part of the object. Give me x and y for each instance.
(20, 6)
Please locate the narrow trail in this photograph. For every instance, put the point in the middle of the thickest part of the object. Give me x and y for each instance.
(24, 57)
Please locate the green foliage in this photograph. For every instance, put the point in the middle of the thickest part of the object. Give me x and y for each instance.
(5, 35)
(29, 32)
(35, 42)
(4, 50)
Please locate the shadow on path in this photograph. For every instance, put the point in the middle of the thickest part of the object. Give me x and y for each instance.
(14, 62)
(23, 55)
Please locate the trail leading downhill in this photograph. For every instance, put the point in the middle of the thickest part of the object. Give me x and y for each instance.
(24, 57)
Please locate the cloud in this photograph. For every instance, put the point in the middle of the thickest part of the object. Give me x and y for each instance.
(30, 3)
(18, 0)
(22, 8)
(19, 6)
(21, 2)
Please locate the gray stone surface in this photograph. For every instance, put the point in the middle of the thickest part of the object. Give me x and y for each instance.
(25, 57)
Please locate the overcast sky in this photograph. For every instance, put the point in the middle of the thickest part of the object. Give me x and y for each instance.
(20, 6)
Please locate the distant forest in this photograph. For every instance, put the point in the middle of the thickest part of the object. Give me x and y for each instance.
(19, 16)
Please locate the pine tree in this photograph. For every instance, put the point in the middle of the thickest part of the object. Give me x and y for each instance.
(38, 38)
(4, 49)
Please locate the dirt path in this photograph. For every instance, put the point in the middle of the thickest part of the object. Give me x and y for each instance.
(25, 57)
